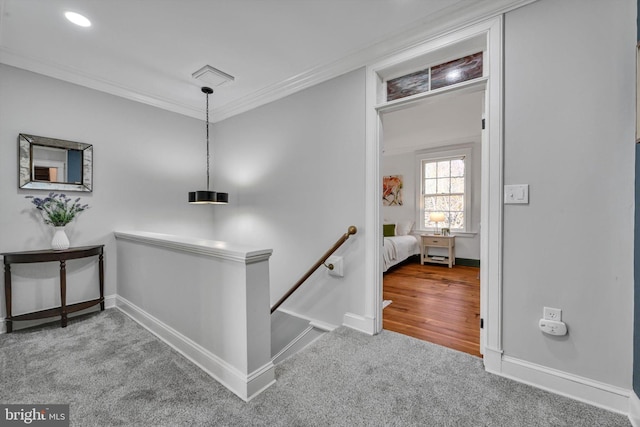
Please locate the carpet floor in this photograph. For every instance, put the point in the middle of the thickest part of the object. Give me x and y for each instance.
(113, 372)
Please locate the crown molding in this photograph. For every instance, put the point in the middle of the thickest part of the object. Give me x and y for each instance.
(436, 25)
(79, 77)
(459, 15)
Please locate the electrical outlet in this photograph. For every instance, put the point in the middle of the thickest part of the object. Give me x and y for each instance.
(552, 314)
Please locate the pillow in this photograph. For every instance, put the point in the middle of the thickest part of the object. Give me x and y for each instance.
(403, 228)
(388, 230)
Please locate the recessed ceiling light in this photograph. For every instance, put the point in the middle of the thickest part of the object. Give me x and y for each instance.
(78, 19)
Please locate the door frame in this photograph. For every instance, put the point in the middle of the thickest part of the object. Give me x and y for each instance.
(492, 177)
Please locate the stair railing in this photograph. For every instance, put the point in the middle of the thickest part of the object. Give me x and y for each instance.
(352, 230)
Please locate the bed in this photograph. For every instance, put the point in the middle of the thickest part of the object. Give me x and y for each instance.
(398, 247)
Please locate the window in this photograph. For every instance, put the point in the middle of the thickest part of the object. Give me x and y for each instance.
(460, 70)
(444, 188)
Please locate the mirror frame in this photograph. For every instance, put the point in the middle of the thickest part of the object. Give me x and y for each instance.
(25, 163)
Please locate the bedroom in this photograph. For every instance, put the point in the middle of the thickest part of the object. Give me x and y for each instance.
(445, 127)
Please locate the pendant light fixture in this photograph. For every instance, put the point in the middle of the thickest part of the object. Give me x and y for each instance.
(208, 197)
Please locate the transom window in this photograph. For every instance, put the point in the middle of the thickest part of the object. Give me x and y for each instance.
(460, 70)
(444, 189)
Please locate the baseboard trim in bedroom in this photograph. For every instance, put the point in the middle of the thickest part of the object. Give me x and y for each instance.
(468, 262)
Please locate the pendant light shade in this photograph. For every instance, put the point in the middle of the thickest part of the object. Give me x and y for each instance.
(207, 197)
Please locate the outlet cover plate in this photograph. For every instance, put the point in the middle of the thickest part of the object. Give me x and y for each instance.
(552, 314)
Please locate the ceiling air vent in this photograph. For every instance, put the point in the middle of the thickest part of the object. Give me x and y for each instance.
(212, 76)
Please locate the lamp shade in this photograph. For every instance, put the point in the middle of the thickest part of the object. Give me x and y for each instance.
(436, 217)
(208, 197)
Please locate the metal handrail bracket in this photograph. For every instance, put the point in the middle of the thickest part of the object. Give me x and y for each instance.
(351, 231)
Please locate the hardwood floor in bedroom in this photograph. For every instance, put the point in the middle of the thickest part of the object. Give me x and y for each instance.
(434, 303)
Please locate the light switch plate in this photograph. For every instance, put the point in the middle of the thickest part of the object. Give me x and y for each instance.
(516, 194)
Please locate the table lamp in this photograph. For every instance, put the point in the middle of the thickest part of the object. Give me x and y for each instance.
(436, 217)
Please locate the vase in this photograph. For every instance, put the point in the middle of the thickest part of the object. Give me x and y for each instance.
(60, 240)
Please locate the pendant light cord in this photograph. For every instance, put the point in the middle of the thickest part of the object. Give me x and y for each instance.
(207, 142)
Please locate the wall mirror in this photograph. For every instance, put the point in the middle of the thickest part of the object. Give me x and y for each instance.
(54, 164)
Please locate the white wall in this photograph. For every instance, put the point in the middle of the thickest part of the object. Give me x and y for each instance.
(295, 173)
(569, 134)
(401, 164)
(146, 160)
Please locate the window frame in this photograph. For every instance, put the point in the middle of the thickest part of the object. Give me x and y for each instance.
(465, 152)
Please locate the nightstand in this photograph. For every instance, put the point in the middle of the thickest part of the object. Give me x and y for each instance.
(429, 240)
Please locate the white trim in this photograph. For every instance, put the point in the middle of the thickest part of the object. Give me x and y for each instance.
(492, 169)
(212, 248)
(634, 409)
(583, 389)
(110, 301)
(318, 324)
(431, 155)
(456, 16)
(306, 337)
(468, 86)
(79, 77)
(373, 207)
(492, 359)
(491, 193)
(244, 386)
(360, 323)
(433, 26)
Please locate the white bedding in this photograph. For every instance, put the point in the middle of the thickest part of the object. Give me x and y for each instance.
(397, 249)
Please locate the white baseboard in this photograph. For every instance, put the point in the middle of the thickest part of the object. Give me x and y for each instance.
(318, 324)
(244, 386)
(360, 323)
(586, 390)
(492, 359)
(306, 337)
(110, 301)
(634, 409)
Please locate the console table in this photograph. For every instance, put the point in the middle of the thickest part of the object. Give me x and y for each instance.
(48, 256)
(436, 241)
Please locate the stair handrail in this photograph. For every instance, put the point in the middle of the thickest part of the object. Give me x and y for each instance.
(351, 230)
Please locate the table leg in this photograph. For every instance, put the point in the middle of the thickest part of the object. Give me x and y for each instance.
(63, 293)
(7, 297)
(101, 279)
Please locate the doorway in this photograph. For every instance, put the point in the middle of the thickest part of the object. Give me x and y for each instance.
(432, 301)
(488, 35)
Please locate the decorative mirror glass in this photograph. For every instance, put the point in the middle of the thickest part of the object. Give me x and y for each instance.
(54, 164)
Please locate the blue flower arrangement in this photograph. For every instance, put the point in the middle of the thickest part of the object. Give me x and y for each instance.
(58, 209)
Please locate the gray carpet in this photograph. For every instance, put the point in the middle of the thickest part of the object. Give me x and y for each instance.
(115, 373)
